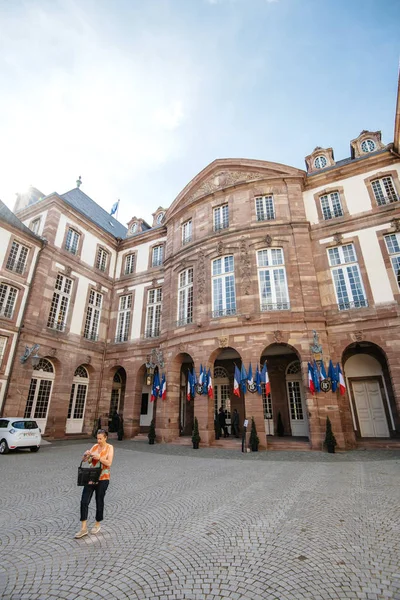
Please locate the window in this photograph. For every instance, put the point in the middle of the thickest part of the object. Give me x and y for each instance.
(77, 397)
(187, 232)
(368, 146)
(221, 217)
(17, 258)
(185, 297)
(93, 313)
(60, 303)
(320, 162)
(101, 260)
(223, 287)
(272, 282)
(34, 225)
(265, 210)
(3, 344)
(346, 277)
(38, 401)
(393, 247)
(267, 403)
(384, 191)
(331, 206)
(130, 263)
(8, 295)
(153, 313)
(157, 256)
(124, 318)
(72, 241)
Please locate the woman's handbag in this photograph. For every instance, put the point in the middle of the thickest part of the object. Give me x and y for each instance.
(88, 475)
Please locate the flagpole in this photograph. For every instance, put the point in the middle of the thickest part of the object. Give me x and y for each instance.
(116, 217)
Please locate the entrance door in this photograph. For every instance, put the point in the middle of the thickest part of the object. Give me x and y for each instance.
(370, 411)
(38, 402)
(297, 409)
(77, 400)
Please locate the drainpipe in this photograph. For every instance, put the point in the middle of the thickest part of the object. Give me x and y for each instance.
(28, 297)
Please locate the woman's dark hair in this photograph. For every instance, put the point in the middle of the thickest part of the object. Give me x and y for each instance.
(103, 431)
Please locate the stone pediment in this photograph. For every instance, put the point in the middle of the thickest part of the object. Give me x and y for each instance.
(223, 173)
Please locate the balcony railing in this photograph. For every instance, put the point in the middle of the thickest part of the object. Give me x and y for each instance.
(186, 240)
(152, 333)
(119, 339)
(93, 337)
(223, 312)
(58, 325)
(267, 306)
(157, 262)
(16, 268)
(184, 321)
(382, 201)
(6, 313)
(353, 304)
(220, 226)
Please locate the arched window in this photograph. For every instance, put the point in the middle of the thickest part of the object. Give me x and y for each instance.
(222, 391)
(38, 402)
(294, 368)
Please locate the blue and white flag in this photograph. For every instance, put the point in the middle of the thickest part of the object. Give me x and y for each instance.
(322, 372)
(114, 208)
(332, 375)
(258, 380)
(243, 379)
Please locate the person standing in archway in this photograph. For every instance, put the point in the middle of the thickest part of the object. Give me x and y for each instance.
(222, 421)
(235, 423)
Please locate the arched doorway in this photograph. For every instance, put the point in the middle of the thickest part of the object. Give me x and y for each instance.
(285, 404)
(39, 395)
(116, 409)
(372, 404)
(186, 406)
(77, 401)
(147, 407)
(225, 360)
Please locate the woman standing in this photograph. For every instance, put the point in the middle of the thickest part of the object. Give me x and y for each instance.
(103, 452)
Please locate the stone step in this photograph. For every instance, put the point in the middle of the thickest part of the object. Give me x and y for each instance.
(287, 443)
(380, 443)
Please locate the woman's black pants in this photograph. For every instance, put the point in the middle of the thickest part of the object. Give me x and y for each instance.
(100, 490)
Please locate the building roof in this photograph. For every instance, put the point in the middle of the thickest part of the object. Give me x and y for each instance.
(88, 207)
(8, 216)
(349, 160)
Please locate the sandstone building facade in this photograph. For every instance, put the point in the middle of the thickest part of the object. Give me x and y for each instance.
(248, 264)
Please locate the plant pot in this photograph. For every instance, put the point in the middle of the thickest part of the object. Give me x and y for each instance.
(331, 448)
(254, 448)
(195, 445)
(151, 441)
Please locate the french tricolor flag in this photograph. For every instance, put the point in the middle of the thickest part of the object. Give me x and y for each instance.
(210, 390)
(265, 379)
(189, 386)
(342, 385)
(163, 389)
(236, 382)
(310, 379)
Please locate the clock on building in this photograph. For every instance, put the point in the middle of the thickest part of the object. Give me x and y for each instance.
(134, 227)
(160, 217)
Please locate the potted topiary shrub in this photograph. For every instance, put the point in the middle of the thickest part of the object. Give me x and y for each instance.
(280, 429)
(152, 432)
(196, 436)
(254, 439)
(121, 428)
(330, 440)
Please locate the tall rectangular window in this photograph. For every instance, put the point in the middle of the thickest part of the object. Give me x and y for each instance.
(221, 217)
(331, 206)
(72, 241)
(393, 247)
(3, 344)
(346, 277)
(124, 318)
(130, 262)
(272, 282)
(35, 225)
(265, 210)
(187, 232)
(101, 259)
(157, 256)
(384, 191)
(153, 313)
(16, 260)
(60, 303)
(185, 297)
(93, 313)
(223, 287)
(8, 295)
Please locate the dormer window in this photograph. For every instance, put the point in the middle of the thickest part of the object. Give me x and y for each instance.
(160, 218)
(320, 162)
(134, 228)
(368, 146)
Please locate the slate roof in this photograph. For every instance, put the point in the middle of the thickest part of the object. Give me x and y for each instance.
(346, 161)
(88, 207)
(8, 216)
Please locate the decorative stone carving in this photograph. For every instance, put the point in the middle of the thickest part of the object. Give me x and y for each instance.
(245, 267)
(53, 351)
(358, 336)
(223, 341)
(98, 287)
(182, 347)
(396, 224)
(220, 248)
(223, 179)
(268, 240)
(201, 278)
(338, 238)
(154, 282)
(278, 337)
(88, 359)
(315, 347)
(68, 270)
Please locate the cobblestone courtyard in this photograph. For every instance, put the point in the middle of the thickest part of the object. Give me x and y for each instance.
(203, 525)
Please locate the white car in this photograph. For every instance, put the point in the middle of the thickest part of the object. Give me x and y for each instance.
(19, 433)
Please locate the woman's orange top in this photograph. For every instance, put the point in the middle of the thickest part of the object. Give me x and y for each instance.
(105, 471)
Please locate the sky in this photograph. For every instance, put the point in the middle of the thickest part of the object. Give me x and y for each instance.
(138, 96)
